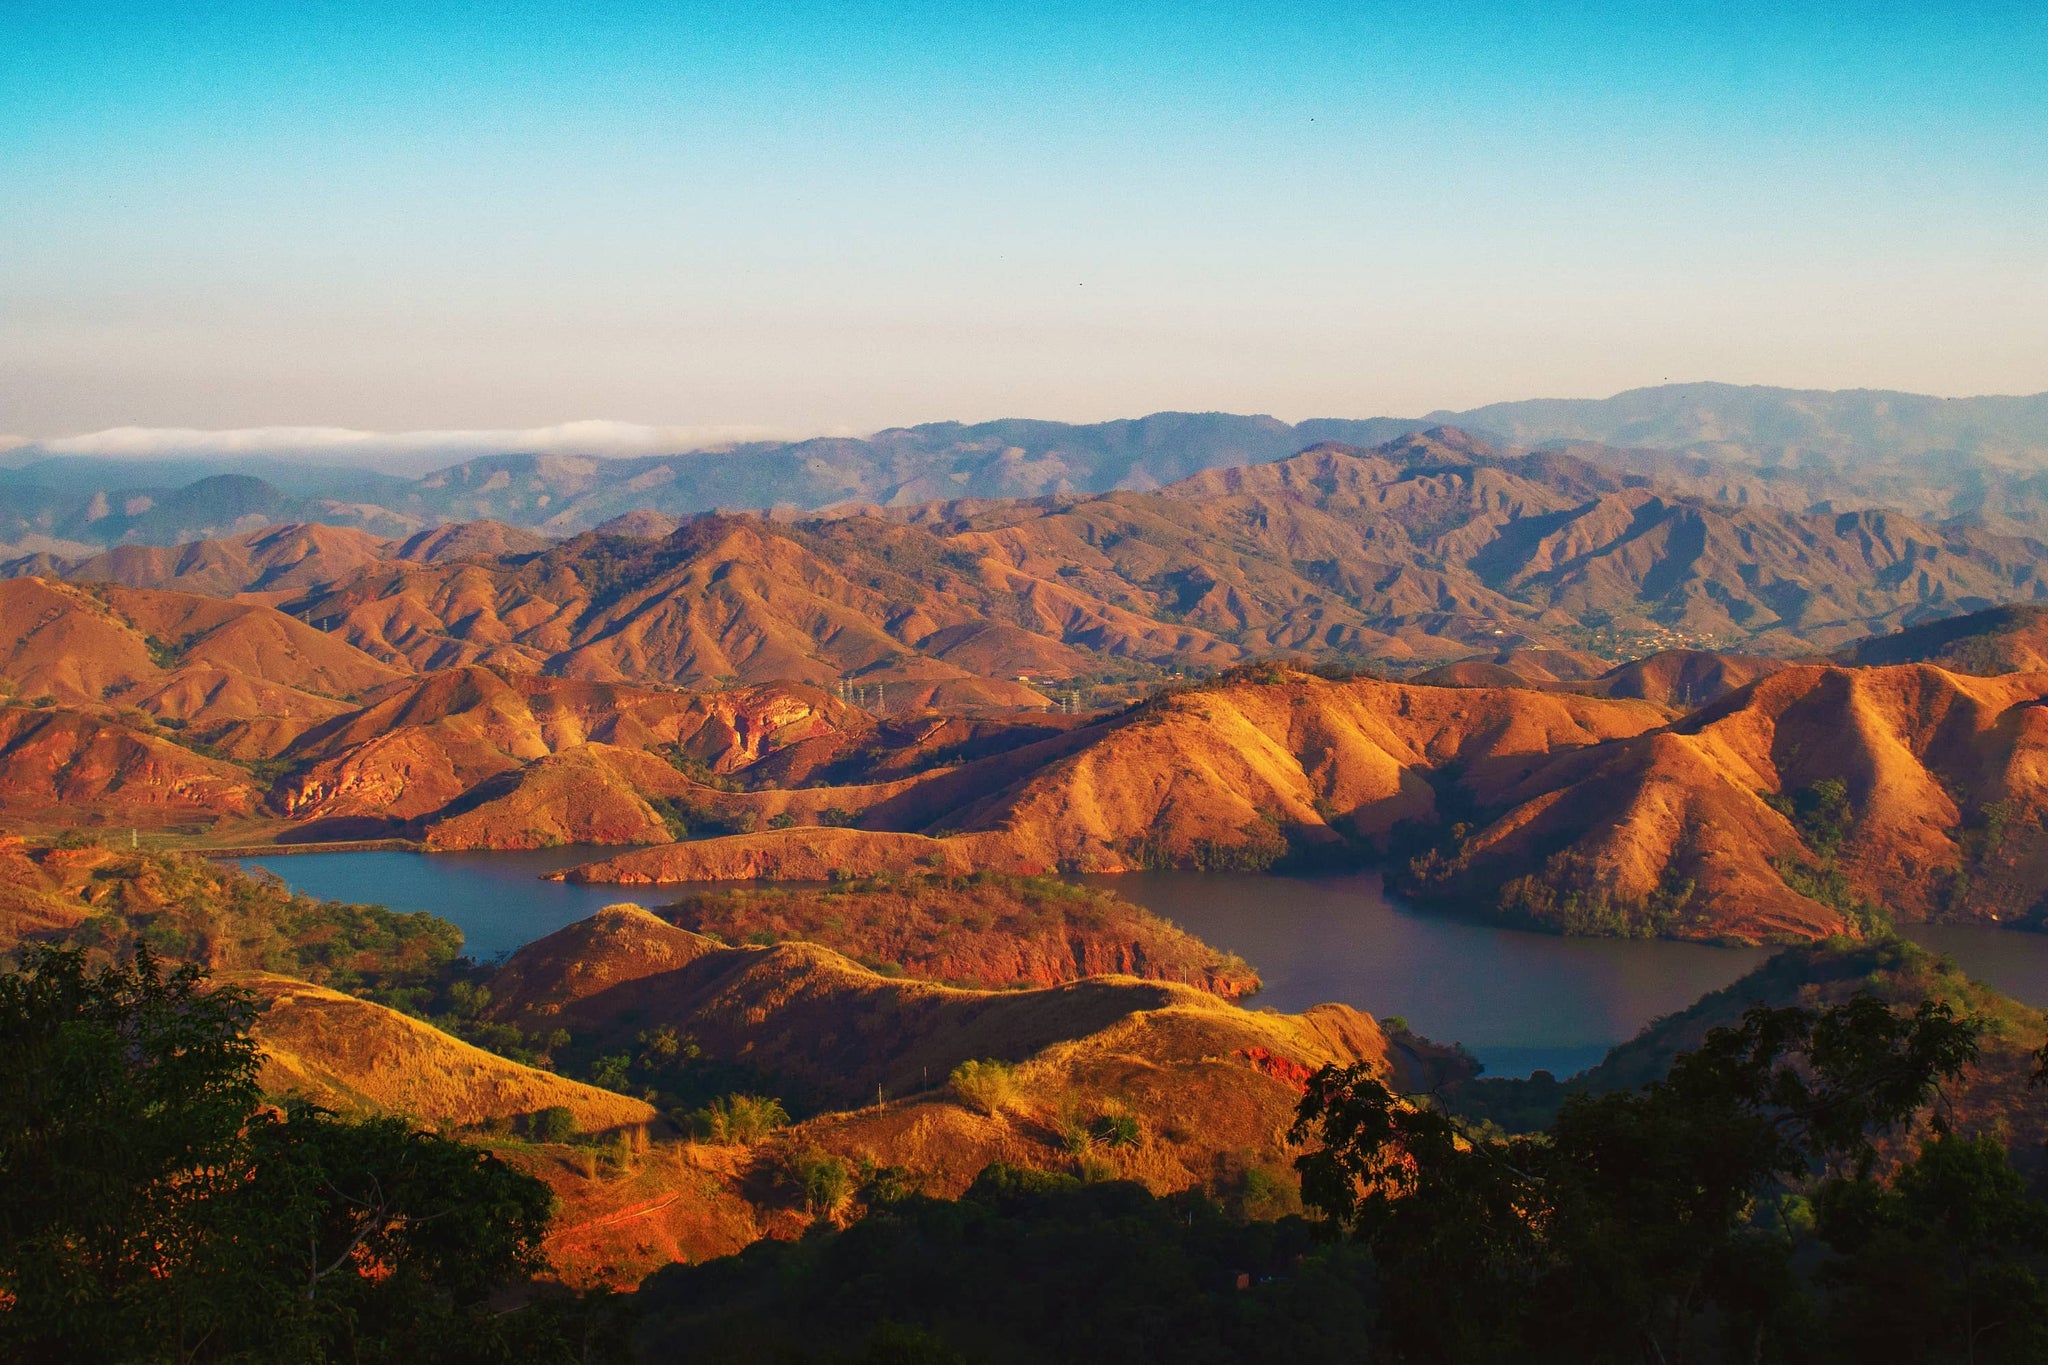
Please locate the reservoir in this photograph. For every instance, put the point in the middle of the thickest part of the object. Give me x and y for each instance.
(1518, 1001)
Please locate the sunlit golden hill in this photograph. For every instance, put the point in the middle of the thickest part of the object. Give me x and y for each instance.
(282, 560)
(477, 757)
(65, 769)
(1586, 813)
(1216, 776)
(722, 598)
(1204, 1089)
(1942, 773)
(984, 930)
(827, 1029)
(246, 677)
(353, 1056)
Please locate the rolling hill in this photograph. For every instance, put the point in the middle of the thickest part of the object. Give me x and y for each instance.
(982, 931)
(1589, 814)
(356, 1057)
(244, 677)
(1422, 549)
(1429, 548)
(2008, 639)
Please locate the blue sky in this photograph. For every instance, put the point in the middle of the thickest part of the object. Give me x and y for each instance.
(835, 217)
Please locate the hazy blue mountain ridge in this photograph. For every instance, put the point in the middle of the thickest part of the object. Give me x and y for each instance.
(1983, 461)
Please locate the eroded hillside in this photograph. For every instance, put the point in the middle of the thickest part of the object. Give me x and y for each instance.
(1812, 801)
(1417, 552)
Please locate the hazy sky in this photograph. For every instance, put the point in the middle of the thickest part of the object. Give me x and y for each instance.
(836, 217)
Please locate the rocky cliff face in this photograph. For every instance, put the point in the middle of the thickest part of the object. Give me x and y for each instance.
(61, 769)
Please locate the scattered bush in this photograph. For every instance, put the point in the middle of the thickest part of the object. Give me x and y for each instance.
(1093, 1170)
(989, 1085)
(1822, 814)
(826, 1181)
(1262, 1195)
(613, 1072)
(689, 818)
(737, 1119)
(556, 1123)
(1076, 1136)
(1118, 1128)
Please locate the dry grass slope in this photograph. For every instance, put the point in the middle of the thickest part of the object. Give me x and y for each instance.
(357, 1057)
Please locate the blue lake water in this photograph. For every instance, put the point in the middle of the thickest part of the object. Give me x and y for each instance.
(1518, 1001)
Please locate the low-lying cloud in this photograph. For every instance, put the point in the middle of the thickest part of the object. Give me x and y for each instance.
(397, 448)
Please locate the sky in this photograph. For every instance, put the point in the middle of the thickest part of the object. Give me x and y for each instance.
(784, 219)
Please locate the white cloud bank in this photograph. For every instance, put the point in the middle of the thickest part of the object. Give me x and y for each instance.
(343, 445)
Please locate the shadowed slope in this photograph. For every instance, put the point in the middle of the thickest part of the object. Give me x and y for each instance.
(1994, 1096)
(2008, 639)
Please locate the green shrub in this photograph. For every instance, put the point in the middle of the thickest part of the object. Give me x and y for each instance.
(990, 1086)
(1262, 1194)
(1118, 1128)
(1076, 1135)
(556, 1123)
(738, 1119)
(826, 1181)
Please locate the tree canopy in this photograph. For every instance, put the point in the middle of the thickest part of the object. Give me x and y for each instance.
(152, 1207)
(1661, 1224)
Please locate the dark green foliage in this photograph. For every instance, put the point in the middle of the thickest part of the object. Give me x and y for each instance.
(736, 1119)
(661, 1066)
(187, 908)
(1980, 841)
(1026, 1267)
(556, 1123)
(1262, 846)
(149, 1209)
(1118, 1129)
(1826, 884)
(1563, 897)
(1821, 813)
(1823, 816)
(1945, 1263)
(1897, 971)
(457, 1004)
(695, 818)
(1644, 1224)
(698, 771)
(824, 1183)
(122, 1099)
(1550, 902)
(165, 654)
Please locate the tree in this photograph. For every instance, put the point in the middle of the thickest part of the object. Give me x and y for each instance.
(1643, 1223)
(152, 1208)
(1942, 1264)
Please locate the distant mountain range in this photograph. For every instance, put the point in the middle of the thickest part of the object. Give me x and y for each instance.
(1427, 549)
(1983, 461)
